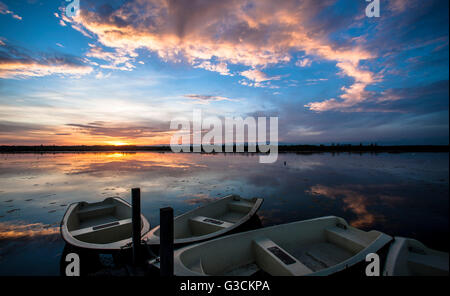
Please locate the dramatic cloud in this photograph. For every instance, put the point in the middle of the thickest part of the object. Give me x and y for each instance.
(123, 130)
(15, 63)
(18, 69)
(18, 128)
(146, 59)
(23, 133)
(214, 34)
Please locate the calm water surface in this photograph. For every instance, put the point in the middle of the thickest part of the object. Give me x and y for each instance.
(399, 194)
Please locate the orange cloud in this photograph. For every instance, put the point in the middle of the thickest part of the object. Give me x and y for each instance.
(353, 201)
(15, 62)
(22, 230)
(253, 33)
(20, 68)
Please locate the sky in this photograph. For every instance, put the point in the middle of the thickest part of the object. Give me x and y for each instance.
(117, 72)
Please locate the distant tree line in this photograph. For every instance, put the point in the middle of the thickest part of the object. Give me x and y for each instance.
(373, 147)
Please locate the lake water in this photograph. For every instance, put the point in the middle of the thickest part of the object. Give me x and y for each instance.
(400, 194)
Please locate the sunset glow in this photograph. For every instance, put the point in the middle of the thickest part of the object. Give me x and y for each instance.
(209, 118)
(117, 143)
(112, 76)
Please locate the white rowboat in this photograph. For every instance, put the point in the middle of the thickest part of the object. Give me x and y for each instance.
(105, 225)
(210, 221)
(320, 246)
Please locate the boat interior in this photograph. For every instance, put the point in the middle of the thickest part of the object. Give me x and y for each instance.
(212, 218)
(298, 249)
(101, 223)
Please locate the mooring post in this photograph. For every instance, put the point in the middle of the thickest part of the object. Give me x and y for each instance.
(136, 220)
(166, 241)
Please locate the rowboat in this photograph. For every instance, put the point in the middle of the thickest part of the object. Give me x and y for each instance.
(321, 246)
(409, 257)
(209, 221)
(105, 225)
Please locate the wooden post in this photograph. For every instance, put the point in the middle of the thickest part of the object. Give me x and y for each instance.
(166, 241)
(136, 220)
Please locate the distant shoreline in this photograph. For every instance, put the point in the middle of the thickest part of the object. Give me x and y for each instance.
(281, 148)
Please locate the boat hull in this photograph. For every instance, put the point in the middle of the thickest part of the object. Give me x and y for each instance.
(409, 257)
(322, 246)
(103, 226)
(210, 221)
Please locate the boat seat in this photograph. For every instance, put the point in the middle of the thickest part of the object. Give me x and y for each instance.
(95, 210)
(241, 206)
(100, 227)
(322, 255)
(201, 225)
(231, 216)
(274, 260)
(346, 238)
